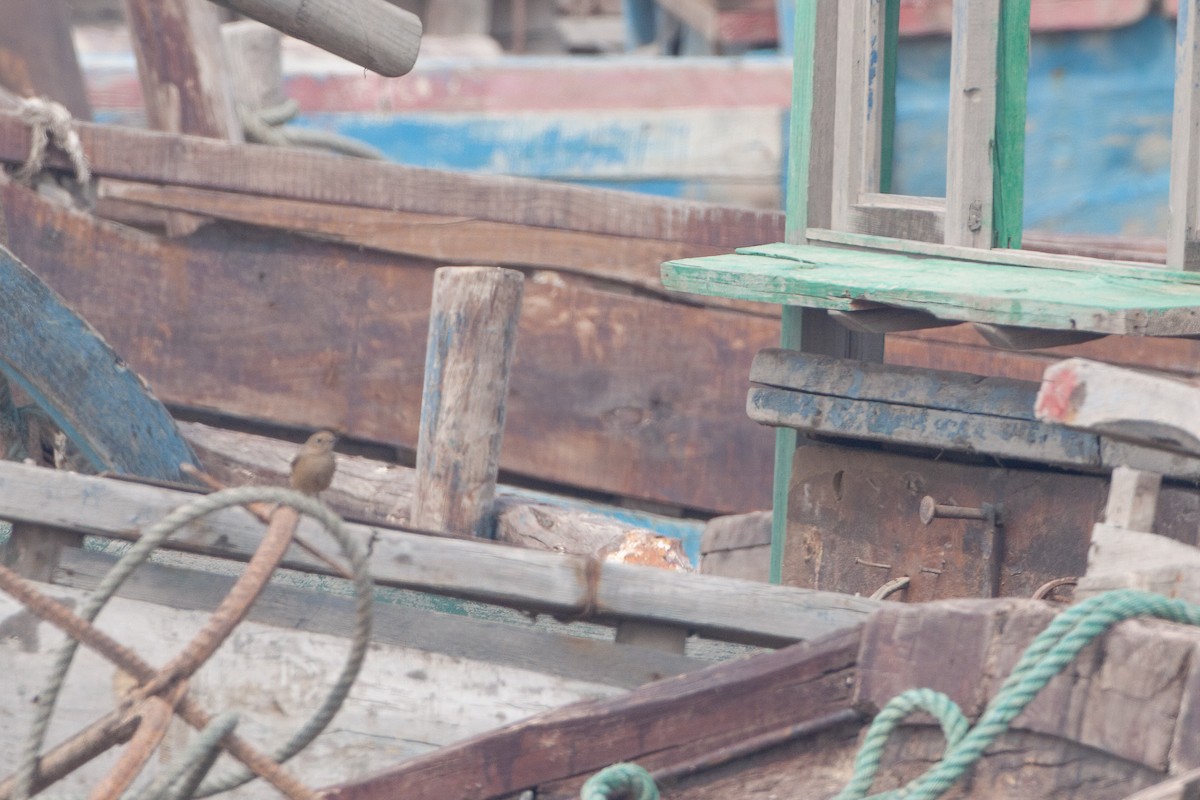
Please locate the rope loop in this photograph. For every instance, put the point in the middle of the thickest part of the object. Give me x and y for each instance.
(50, 122)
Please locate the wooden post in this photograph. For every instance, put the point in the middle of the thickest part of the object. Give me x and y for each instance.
(375, 34)
(181, 65)
(253, 53)
(1132, 499)
(1183, 224)
(472, 333)
(972, 123)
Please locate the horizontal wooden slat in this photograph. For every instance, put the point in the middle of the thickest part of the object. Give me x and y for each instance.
(554, 583)
(823, 277)
(284, 173)
(730, 701)
(451, 634)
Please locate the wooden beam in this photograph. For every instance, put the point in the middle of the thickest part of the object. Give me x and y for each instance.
(468, 360)
(972, 125)
(887, 320)
(653, 725)
(1008, 158)
(374, 34)
(564, 585)
(1132, 499)
(152, 157)
(1150, 410)
(182, 68)
(898, 216)
(395, 625)
(1183, 223)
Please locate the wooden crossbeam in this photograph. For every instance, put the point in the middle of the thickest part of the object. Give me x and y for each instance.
(553, 583)
(1183, 225)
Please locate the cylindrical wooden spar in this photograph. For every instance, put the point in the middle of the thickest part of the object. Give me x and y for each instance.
(472, 333)
(374, 34)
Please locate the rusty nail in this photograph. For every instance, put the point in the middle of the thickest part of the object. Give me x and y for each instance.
(872, 564)
(931, 510)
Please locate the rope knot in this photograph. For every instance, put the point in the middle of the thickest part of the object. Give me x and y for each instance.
(50, 122)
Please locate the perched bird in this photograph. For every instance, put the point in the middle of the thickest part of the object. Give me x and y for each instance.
(313, 466)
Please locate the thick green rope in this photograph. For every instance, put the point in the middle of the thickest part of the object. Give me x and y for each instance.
(1053, 649)
(628, 781)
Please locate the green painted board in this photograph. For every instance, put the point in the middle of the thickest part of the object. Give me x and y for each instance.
(814, 276)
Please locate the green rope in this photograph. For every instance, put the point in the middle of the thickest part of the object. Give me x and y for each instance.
(1053, 649)
(620, 782)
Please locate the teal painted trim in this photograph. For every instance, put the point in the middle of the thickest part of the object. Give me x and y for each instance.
(891, 48)
(799, 162)
(800, 136)
(1008, 164)
(785, 450)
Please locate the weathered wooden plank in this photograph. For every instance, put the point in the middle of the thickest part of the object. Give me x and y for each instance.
(959, 431)
(1132, 499)
(37, 56)
(64, 365)
(1122, 559)
(468, 361)
(440, 237)
(392, 625)
(736, 699)
(1008, 151)
(887, 320)
(152, 157)
(1114, 401)
(898, 216)
(972, 125)
(822, 277)
(1183, 223)
(537, 581)
(405, 701)
(934, 389)
(1180, 787)
(609, 392)
(182, 68)
(1053, 255)
(377, 35)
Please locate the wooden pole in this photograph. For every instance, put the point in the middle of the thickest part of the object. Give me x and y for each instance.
(375, 34)
(472, 333)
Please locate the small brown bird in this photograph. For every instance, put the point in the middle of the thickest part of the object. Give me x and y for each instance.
(313, 466)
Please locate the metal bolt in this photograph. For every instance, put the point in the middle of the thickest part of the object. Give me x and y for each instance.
(931, 510)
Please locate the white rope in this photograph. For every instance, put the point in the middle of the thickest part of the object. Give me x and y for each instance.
(50, 122)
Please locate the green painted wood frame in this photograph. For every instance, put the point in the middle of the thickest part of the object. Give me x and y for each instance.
(1008, 163)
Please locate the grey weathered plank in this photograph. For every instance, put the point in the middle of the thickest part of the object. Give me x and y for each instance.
(959, 431)
(450, 634)
(60, 361)
(935, 389)
(154, 157)
(1183, 223)
(544, 582)
(972, 123)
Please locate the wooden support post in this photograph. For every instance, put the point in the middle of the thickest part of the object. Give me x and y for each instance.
(472, 334)
(181, 65)
(861, 37)
(1132, 499)
(818, 177)
(37, 56)
(254, 55)
(1183, 225)
(972, 126)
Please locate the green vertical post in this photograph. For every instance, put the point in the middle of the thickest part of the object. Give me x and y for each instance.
(891, 50)
(1008, 161)
(799, 156)
(811, 329)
